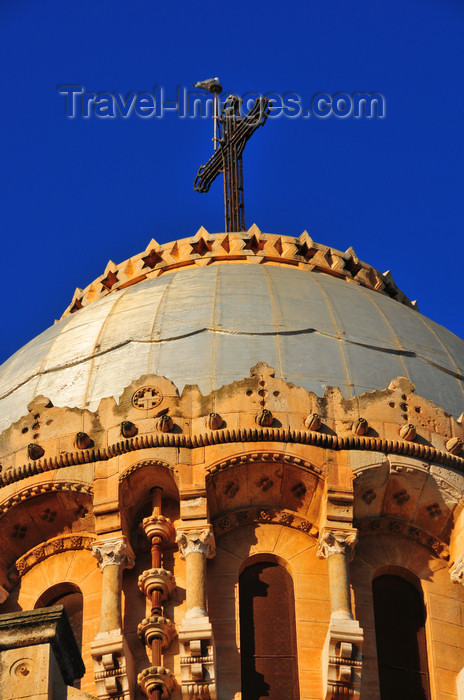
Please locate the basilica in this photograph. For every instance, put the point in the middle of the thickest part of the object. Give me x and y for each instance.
(234, 470)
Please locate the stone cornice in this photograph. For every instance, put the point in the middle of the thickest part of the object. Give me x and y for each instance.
(250, 246)
(240, 435)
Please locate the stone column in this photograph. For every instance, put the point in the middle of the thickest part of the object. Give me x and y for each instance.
(195, 633)
(342, 656)
(113, 663)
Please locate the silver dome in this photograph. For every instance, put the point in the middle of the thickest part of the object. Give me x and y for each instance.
(209, 325)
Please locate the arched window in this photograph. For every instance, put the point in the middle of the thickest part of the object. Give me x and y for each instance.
(267, 633)
(401, 644)
(70, 596)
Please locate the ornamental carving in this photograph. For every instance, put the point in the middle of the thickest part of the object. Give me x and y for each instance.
(158, 526)
(35, 451)
(408, 431)
(64, 543)
(253, 515)
(146, 398)
(336, 542)
(457, 570)
(214, 421)
(454, 445)
(128, 429)
(373, 526)
(190, 541)
(164, 423)
(156, 627)
(156, 677)
(83, 441)
(360, 426)
(264, 418)
(144, 463)
(303, 252)
(313, 421)
(250, 457)
(39, 489)
(113, 552)
(240, 435)
(157, 580)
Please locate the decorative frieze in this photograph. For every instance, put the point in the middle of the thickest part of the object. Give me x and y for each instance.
(258, 514)
(240, 435)
(393, 526)
(56, 545)
(252, 244)
(39, 489)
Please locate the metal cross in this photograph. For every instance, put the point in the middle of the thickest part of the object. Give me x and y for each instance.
(234, 132)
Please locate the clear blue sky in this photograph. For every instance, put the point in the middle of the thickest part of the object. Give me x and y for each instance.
(78, 192)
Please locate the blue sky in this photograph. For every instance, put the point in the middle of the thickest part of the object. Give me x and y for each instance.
(78, 192)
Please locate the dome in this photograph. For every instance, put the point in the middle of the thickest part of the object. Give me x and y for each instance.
(198, 311)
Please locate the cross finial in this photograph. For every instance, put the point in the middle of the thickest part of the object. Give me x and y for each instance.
(234, 131)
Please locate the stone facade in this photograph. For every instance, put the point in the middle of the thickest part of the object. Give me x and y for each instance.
(152, 504)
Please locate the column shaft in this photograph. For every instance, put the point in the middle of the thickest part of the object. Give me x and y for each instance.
(339, 585)
(195, 564)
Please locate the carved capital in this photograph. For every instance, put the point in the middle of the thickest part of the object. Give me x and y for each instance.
(336, 542)
(457, 570)
(202, 541)
(113, 552)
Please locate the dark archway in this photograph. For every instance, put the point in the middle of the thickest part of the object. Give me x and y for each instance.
(401, 642)
(268, 647)
(71, 597)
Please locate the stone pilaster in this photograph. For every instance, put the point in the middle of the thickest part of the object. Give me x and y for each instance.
(342, 655)
(198, 672)
(113, 662)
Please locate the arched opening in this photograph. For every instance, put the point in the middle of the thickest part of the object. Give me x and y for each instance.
(399, 613)
(70, 596)
(268, 647)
